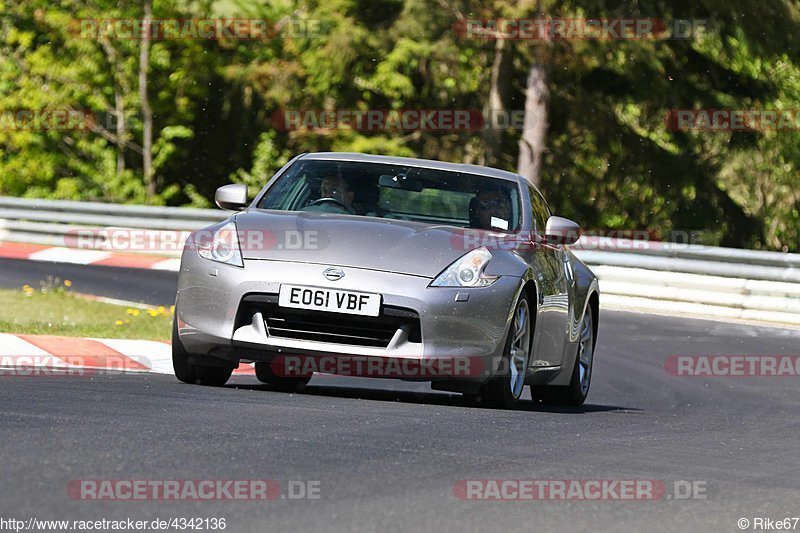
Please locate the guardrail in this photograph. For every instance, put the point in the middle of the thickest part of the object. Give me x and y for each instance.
(57, 222)
(671, 278)
(700, 280)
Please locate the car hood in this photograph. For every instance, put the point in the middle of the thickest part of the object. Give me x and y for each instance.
(350, 241)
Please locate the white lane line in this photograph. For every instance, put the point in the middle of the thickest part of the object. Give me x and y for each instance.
(15, 351)
(157, 356)
(630, 304)
(114, 301)
(69, 255)
(173, 265)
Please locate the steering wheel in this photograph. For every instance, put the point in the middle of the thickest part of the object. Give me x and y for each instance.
(329, 200)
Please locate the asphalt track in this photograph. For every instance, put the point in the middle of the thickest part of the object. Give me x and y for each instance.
(388, 454)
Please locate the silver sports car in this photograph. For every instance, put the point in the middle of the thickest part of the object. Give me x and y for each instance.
(390, 267)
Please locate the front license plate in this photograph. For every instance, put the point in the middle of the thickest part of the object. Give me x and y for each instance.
(332, 300)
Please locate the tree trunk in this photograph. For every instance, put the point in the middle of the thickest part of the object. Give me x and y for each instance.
(492, 134)
(532, 142)
(147, 113)
(121, 88)
(119, 112)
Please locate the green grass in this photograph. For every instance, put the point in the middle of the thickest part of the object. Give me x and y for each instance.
(55, 311)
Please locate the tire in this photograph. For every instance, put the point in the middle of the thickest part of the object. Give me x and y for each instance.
(576, 392)
(505, 389)
(193, 374)
(265, 374)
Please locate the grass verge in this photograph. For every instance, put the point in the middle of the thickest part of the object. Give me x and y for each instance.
(53, 310)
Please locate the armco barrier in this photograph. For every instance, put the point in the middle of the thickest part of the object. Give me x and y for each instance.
(676, 279)
(51, 222)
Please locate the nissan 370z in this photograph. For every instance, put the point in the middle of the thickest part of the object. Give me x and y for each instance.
(390, 267)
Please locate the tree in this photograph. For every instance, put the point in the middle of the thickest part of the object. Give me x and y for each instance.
(595, 136)
(147, 112)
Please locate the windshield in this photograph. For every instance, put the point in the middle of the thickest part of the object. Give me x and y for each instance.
(397, 192)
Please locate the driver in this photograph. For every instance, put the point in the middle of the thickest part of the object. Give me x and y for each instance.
(336, 187)
(335, 196)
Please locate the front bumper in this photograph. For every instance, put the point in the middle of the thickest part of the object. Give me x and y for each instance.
(210, 303)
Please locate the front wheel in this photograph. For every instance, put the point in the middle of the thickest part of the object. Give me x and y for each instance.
(505, 389)
(188, 372)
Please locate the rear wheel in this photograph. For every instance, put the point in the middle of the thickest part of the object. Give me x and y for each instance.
(188, 372)
(505, 389)
(575, 393)
(265, 374)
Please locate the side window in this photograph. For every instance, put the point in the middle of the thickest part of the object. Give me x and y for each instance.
(539, 210)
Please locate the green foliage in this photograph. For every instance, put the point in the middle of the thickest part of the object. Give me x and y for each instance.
(611, 161)
(267, 160)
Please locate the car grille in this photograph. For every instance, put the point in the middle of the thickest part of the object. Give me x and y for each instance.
(336, 328)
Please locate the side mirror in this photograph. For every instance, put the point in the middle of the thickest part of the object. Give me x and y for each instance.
(231, 197)
(561, 231)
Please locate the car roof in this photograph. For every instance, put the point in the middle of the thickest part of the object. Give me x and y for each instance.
(413, 162)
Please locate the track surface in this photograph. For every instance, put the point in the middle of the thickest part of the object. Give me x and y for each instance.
(388, 453)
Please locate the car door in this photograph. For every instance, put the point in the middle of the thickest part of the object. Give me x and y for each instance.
(550, 263)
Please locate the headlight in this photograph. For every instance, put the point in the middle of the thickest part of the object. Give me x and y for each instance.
(222, 247)
(467, 271)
